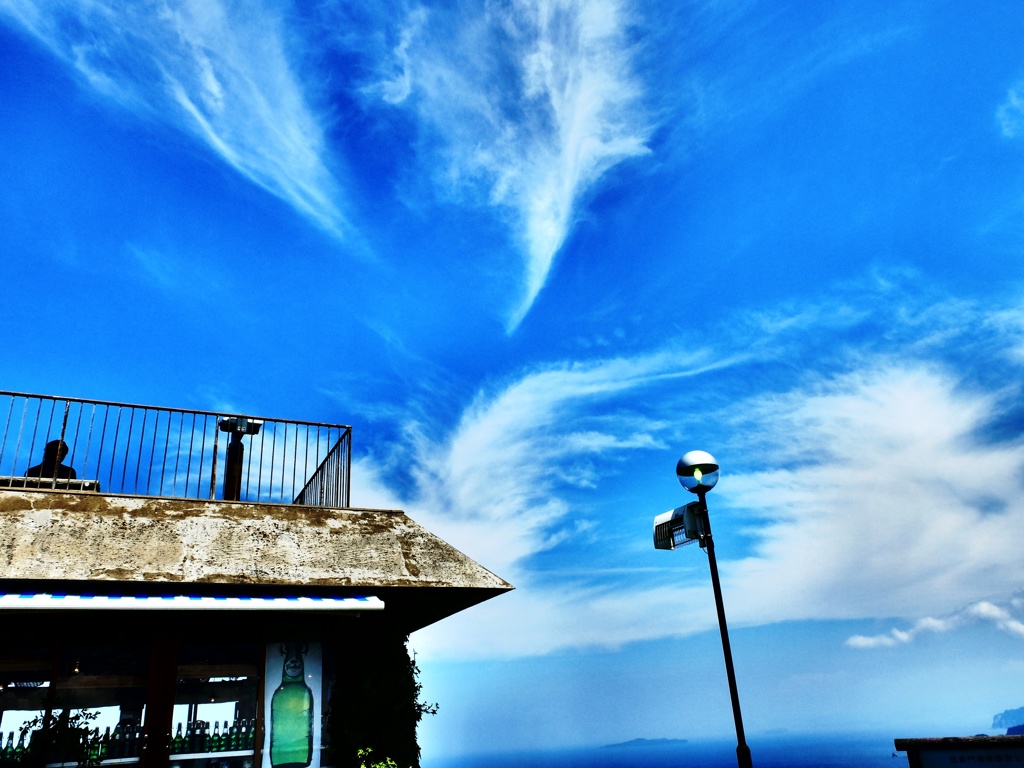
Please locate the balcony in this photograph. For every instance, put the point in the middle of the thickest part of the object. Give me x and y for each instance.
(70, 444)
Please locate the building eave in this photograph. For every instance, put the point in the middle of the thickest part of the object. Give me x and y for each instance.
(92, 539)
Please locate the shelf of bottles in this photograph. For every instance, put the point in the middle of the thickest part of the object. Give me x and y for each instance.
(198, 745)
(198, 741)
(118, 746)
(215, 707)
(81, 704)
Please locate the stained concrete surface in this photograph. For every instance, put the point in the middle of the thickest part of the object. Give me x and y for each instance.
(86, 536)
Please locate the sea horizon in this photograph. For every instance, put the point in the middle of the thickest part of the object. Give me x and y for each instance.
(784, 750)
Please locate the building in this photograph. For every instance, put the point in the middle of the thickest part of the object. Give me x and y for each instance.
(962, 750)
(193, 589)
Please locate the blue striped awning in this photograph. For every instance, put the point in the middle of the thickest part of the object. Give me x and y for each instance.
(172, 602)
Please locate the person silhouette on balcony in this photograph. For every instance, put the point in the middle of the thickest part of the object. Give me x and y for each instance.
(53, 455)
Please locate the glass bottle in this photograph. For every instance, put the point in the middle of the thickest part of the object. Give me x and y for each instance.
(8, 752)
(19, 751)
(241, 736)
(178, 742)
(133, 740)
(117, 742)
(106, 746)
(291, 713)
(245, 735)
(95, 746)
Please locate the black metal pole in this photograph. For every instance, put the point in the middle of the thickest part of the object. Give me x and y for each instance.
(743, 759)
(233, 469)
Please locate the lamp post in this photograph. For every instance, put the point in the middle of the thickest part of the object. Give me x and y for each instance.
(698, 473)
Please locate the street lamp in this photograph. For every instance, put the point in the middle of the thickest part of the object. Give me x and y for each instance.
(698, 473)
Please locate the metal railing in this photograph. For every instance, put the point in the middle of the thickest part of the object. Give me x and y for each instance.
(321, 490)
(68, 443)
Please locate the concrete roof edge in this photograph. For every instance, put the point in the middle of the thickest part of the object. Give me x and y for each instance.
(89, 536)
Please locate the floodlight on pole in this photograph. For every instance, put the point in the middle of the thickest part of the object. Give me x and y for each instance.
(698, 472)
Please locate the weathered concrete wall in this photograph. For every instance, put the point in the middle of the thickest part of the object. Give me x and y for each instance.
(84, 536)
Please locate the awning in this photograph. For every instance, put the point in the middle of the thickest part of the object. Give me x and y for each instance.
(63, 602)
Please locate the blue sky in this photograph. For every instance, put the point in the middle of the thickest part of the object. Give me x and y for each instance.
(533, 251)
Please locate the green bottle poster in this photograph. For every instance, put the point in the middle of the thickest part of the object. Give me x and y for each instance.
(293, 700)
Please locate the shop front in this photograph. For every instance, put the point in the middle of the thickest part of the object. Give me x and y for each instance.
(202, 689)
(217, 605)
(279, 642)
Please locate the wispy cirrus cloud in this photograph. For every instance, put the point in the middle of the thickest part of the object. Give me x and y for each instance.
(880, 485)
(496, 483)
(528, 103)
(877, 500)
(218, 71)
(497, 488)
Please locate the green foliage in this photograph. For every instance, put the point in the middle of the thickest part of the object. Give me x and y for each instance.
(364, 755)
(63, 737)
(375, 702)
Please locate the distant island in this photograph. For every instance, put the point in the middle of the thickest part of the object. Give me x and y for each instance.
(645, 743)
(1009, 719)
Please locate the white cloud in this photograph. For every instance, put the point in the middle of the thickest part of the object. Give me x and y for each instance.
(983, 611)
(535, 621)
(876, 495)
(869, 506)
(534, 100)
(493, 487)
(217, 71)
(870, 502)
(1011, 112)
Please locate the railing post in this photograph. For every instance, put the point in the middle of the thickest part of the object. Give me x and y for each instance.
(213, 467)
(347, 468)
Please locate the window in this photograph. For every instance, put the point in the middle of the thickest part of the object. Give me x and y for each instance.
(215, 706)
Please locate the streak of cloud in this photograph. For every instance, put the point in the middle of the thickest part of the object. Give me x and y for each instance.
(877, 494)
(875, 479)
(983, 611)
(495, 484)
(530, 102)
(496, 488)
(217, 71)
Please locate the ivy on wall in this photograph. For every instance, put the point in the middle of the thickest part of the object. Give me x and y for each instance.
(375, 701)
